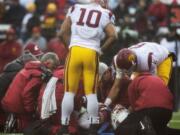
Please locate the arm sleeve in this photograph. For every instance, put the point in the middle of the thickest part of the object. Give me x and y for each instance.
(29, 94)
(118, 71)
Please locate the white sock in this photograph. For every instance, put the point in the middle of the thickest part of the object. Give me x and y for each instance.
(67, 107)
(92, 108)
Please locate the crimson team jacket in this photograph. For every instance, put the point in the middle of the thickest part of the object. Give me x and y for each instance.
(22, 92)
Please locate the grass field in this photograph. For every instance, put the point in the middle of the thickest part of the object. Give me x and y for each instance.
(10, 134)
(174, 123)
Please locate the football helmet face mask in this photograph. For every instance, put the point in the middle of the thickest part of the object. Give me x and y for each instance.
(118, 115)
(126, 60)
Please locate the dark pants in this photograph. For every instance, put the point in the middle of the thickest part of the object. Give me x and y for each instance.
(159, 118)
(23, 121)
(174, 85)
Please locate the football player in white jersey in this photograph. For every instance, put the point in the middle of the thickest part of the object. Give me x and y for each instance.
(82, 30)
(143, 57)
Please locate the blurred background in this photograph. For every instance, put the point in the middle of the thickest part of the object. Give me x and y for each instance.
(25, 21)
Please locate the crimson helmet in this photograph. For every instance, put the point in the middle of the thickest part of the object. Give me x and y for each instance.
(125, 59)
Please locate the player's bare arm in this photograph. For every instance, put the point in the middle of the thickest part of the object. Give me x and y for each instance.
(113, 92)
(111, 37)
(65, 31)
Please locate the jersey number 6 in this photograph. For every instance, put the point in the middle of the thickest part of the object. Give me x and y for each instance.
(91, 14)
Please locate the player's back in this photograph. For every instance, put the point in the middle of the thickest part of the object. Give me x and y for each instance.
(88, 23)
(149, 52)
(159, 52)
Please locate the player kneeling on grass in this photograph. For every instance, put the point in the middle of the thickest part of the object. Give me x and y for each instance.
(151, 107)
(49, 98)
(20, 98)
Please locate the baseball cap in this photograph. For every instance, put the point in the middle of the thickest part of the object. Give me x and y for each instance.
(34, 49)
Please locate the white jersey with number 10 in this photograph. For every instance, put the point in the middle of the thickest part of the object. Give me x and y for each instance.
(88, 23)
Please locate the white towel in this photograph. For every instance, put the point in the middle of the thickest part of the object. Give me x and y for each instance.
(49, 100)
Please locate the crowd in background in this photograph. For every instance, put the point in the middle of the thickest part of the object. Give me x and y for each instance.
(136, 20)
(38, 21)
(27, 23)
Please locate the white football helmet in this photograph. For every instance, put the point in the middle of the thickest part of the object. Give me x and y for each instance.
(84, 1)
(83, 118)
(118, 115)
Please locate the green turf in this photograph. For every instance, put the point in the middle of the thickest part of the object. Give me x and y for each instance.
(175, 121)
(10, 134)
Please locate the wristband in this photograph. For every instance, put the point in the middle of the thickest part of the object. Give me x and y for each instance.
(108, 101)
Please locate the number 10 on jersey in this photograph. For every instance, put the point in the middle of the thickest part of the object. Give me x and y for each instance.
(92, 13)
